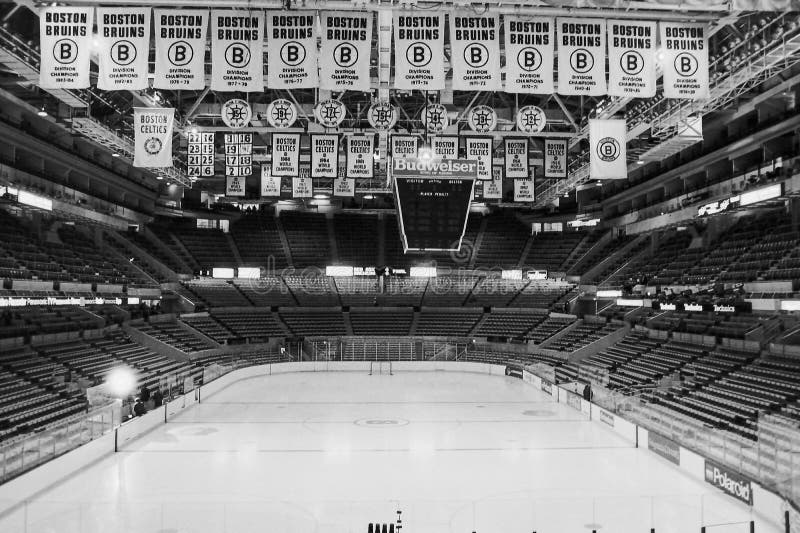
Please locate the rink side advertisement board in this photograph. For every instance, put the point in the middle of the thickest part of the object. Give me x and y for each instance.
(433, 198)
(729, 482)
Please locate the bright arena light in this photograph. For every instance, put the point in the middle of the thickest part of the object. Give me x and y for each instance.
(121, 382)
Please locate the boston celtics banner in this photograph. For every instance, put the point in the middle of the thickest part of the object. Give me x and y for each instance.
(65, 39)
(302, 186)
(523, 190)
(324, 156)
(581, 56)
(685, 61)
(180, 39)
(530, 48)
(493, 188)
(237, 54)
(403, 146)
(475, 55)
(444, 147)
(480, 149)
(285, 154)
(270, 185)
(123, 35)
(152, 128)
(292, 50)
(234, 186)
(516, 158)
(607, 151)
(360, 156)
(345, 51)
(631, 58)
(419, 50)
(345, 187)
(555, 158)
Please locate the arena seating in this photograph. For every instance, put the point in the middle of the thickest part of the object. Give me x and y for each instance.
(37, 320)
(356, 239)
(400, 292)
(450, 291)
(175, 336)
(510, 323)
(357, 291)
(146, 244)
(259, 242)
(268, 291)
(256, 324)
(502, 243)
(314, 322)
(548, 327)
(217, 293)
(540, 294)
(313, 290)
(307, 234)
(381, 321)
(583, 334)
(495, 292)
(550, 250)
(210, 327)
(447, 322)
(208, 247)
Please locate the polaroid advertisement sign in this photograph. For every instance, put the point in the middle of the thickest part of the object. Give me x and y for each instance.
(729, 482)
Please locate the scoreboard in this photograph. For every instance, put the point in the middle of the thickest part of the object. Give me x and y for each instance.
(433, 198)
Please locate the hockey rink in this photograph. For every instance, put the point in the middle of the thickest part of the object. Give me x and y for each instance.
(332, 452)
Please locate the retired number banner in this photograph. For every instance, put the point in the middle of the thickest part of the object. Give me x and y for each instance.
(345, 50)
(65, 39)
(607, 157)
(180, 48)
(152, 129)
(444, 147)
(523, 190)
(285, 154)
(418, 51)
(237, 50)
(324, 156)
(123, 34)
(404, 146)
(292, 50)
(685, 64)
(530, 48)
(631, 58)
(516, 158)
(475, 56)
(360, 156)
(555, 158)
(581, 56)
(480, 149)
(270, 185)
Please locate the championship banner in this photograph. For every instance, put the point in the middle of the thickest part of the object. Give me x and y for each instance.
(292, 50)
(324, 156)
(523, 190)
(631, 58)
(530, 48)
(285, 154)
(65, 39)
(234, 185)
(685, 63)
(152, 131)
(418, 51)
(302, 186)
(239, 154)
(345, 50)
(480, 149)
(493, 188)
(270, 185)
(360, 156)
(555, 158)
(581, 56)
(607, 149)
(444, 147)
(516, 158)
(344, 187)
(123, 35)
(180, 48)
(403, 146)
(475, 55)
(237, 50)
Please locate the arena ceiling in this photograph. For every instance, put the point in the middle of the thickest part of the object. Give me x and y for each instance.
(750, 52)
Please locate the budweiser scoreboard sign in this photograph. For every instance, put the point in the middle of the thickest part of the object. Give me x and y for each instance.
(729, 482)
(433, 197)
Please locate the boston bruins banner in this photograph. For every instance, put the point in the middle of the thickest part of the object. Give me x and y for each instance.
(65, 41)
(480, 149)
(292, 50)
(345, 50)
(581, 56)
(523, 190)
(360, 156)
(631, 58)
(607, 157)
(234, 186)
(324, 156)
(123, 36)
(180, 48)
(530, 47)
(302, 186)
(404, 146)
(270, 185)
(419, 50)
(516, 158)
(493, 188)
(237, 55)
(444, 147)
(475, 56)
(555, 158)
(685, 60)
(285, 154)
(152, 128)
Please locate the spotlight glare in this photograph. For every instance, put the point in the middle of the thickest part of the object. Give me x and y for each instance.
(121, 382)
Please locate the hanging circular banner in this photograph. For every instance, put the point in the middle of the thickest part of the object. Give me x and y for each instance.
(281, 113)
(531, 119)
(330, 113)
(435, 118)
(382, 116)
(482, 119)
(236, 113)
